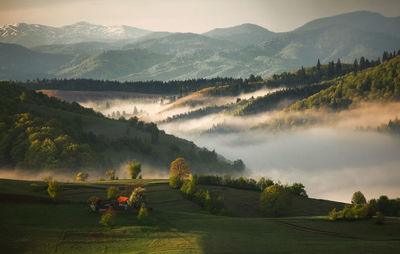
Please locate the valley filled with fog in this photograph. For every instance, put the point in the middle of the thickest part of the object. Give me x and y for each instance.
(341, 154)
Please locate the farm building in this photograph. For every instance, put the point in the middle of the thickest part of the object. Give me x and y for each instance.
(122, 203)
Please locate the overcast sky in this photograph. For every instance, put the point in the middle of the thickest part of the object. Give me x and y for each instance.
(186, 15)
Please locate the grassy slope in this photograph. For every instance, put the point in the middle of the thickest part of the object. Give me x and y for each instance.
(175, 226)
(245, 203)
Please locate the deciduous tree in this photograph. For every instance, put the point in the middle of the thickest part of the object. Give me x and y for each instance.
(111, 174)
(358, 198)
(180, 167)
(134, 168)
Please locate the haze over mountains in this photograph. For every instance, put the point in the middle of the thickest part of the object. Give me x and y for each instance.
(84, 50)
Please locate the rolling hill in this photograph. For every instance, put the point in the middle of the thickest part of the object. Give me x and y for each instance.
(42, 133)
(242, 35)
(18, 62)
(176, 224)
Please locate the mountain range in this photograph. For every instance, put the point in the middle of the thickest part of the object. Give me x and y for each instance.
(84, 50)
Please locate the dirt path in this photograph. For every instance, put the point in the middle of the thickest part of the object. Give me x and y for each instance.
(307, 229)
(301, 228)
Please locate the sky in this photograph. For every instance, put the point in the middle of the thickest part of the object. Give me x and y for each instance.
(186, 15)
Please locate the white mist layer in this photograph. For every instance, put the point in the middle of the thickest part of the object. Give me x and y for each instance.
(333, 159)
(331, 164)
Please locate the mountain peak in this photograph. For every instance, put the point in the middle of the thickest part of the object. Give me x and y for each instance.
(362, 20)
(244, 35)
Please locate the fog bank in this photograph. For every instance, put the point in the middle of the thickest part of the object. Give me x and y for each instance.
(331, 163)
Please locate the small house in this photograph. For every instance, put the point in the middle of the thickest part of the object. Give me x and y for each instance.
(122, 203)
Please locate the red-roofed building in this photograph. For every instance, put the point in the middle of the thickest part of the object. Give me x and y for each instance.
(123, 202)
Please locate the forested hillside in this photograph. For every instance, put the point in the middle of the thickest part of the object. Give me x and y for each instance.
(38, 132)
(298, 85)
(380, 83)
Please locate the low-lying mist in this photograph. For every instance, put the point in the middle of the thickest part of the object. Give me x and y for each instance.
(331, 163)
(332, 158)
(148, 172)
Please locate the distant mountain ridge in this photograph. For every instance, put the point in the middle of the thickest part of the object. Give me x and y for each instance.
(240, 34)
(101, 52)
(31, 35)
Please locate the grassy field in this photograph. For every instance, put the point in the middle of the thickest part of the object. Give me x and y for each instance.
(177, 225)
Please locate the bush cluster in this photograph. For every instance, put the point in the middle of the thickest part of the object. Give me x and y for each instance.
(275, 200)
(352, 212)
(248, 183)
(360, 209)
(202, 197)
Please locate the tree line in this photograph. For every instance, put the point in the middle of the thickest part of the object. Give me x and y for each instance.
(152, 86)
(360, 209)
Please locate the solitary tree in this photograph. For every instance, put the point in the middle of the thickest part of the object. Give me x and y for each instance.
(111, 174)
(358, 198)
(134, 168)
(81, 176)
(53, 189)
(179, 167)
(143, 213)
(179, 171)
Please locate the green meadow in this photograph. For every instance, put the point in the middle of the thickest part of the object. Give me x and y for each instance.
(176, 225)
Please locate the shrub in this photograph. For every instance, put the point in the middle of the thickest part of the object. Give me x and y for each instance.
(190, 187)
(333, 215)
(137, 197)
(107, 219)
(175, 181)
(112, 192)
(54, 189)
(275, 200)
(352, 212)
(143, 213)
